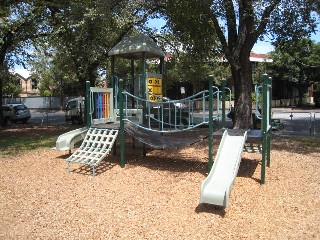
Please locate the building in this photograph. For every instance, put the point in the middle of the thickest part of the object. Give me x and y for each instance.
(29, 86)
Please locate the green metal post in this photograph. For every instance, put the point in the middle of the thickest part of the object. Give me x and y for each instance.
(210, 143)
(161, 72)
(144, 94)
(270, 110)
(122, 150)
(88, 104)
(161, 65)
(132, 81)
(143, 84)
(223, 89)
(264, 126)
(132, 91)
(113, 79)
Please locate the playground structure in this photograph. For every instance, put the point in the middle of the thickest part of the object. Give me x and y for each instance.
(96, 145)
(217, 186)
(156, 131)
(67, 140)
(114, 111)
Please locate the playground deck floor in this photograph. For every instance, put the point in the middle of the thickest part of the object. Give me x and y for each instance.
(157, 197)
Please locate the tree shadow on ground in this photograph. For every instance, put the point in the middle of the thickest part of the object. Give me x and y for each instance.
(296, 144)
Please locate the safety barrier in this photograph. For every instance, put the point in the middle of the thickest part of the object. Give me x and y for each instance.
(173, 115)
(298, 123)
(316, 123)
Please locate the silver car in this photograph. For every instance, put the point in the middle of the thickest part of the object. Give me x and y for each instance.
(16, 112)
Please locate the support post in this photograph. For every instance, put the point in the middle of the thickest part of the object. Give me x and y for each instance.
(132, 81)
(210, 143)
(132, 91)
(161, 65)
(223, 89)
(144, 94)
(113, 79)
(264, 126)
(270, 110)
(122, 150)
(88, 104)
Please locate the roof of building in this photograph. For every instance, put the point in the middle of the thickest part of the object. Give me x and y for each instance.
(260, 57)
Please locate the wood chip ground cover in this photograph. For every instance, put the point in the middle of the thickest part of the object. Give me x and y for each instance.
(157, 196)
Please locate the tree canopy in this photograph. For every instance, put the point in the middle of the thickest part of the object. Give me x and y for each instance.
(21, 22)
(76, 36)
(237, 26)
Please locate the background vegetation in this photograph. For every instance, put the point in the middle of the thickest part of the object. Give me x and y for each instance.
(67, 42)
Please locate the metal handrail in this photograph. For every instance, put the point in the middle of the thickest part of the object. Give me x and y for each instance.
(172, 121)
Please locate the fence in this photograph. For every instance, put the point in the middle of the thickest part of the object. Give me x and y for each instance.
(40, 102)
(298, 123)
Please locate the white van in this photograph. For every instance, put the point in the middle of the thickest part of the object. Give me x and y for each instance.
(74, 110)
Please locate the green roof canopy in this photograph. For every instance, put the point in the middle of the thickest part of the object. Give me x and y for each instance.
(133, 46)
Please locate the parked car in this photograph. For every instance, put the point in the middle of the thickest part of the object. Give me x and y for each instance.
(74, 110)
(16, 113)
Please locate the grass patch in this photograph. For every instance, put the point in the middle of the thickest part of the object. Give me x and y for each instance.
(309, 142)
(13, 145)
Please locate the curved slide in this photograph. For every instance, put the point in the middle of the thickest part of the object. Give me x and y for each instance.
(67, 140)
(216, 188)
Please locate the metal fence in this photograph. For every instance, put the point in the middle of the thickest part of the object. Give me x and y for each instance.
(37, 102)
(298, 122)
(316, 123)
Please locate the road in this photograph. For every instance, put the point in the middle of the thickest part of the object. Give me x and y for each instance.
(47, 117)
(295, 121)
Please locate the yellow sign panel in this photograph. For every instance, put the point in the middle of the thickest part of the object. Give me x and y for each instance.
(152, 81)
(154, 88)
(155, 98)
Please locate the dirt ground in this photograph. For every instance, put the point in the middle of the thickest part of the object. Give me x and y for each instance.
(157, 196)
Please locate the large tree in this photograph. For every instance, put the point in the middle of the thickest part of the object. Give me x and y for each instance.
(238, 25)
(80, 33)
(85, 32)
(20, 23)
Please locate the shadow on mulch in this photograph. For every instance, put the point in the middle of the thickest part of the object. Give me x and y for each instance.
(64, 156)
(162, 163)
(87, 170)
(209, 208)
(247, 168)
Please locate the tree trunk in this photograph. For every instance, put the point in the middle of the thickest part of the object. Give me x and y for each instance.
(242, 75)
(2, 121)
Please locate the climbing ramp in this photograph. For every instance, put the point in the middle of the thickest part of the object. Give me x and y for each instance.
(96, 145)
(216, 188)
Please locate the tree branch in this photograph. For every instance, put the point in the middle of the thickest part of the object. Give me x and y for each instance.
(263, 23)
(231, 23)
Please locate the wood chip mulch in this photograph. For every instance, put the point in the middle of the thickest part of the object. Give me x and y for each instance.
(157, 196)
